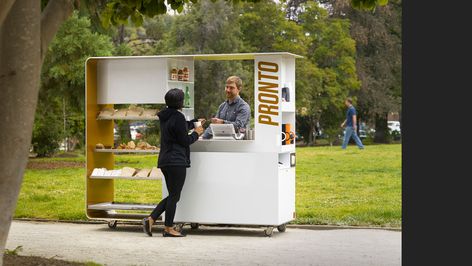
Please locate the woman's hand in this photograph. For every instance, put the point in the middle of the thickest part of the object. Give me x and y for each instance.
(199, 130)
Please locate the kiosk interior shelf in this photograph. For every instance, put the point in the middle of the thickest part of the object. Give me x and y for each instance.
(180, 82)
(126, 151)
(125, 177)
(128, 118)
(108, 206)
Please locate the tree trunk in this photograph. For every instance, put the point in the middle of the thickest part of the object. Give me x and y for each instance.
(24, 36)
(20, 65)
(310, 132)
(124, 131)
(381, 129)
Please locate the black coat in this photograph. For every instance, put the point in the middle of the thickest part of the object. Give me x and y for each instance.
(175, 140)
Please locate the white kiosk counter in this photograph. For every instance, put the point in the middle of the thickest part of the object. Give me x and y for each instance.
(231, 182)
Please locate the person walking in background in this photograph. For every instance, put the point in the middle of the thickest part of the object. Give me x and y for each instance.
(351, 125)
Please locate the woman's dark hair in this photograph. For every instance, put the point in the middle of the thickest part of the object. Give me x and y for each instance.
(174, 98)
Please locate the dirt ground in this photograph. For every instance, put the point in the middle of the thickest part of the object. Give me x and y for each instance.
(9, 260)
(53, 165)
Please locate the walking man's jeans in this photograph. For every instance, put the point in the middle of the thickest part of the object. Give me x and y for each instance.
(347, 136)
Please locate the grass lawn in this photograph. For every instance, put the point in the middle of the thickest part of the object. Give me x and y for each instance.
(350, 187)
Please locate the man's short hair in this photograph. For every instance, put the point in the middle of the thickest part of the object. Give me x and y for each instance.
(236, 80)
(349, 100)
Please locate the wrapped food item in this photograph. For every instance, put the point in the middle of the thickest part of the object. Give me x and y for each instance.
(186, 73)
(149, 112)
(155, 172)
(116, 172)
(106, 112)
(120, 113)
(174, 73)
(131, 145)
(143, 173)
(122, 146)
(142, 145)
(133, 110)
(128, 171)
(99, 146)
(99, 171)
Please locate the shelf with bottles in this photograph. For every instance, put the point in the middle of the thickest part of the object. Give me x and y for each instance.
(180, 70)
(179, 82)
(188, 90)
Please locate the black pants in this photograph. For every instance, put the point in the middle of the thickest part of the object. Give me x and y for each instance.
(175, 179)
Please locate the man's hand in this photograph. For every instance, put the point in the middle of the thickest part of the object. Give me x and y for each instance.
(199, 130)
(342, 125)
(217, 121)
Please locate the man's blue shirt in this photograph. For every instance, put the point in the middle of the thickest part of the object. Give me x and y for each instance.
(350, 112)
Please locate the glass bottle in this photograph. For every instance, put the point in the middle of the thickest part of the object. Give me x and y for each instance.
(187, 97)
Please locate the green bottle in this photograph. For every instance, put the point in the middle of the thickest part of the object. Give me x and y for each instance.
(187, 97)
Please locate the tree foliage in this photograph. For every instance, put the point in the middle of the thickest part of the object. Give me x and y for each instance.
(60, 111)
(379, 53)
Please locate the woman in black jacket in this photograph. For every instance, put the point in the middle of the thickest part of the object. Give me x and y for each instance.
(174, 159)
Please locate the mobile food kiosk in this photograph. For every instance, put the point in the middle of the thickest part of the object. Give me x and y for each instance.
(249, 182)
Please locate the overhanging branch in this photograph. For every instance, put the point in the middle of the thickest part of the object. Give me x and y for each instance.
(5, 6)
(55, 13)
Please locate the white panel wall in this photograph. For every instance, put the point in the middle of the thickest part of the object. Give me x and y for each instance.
(286, 196)
(268, 137)
(137, 80)
(230, 188)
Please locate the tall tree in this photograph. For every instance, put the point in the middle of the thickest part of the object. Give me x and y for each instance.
(378, 46)
(333, 51)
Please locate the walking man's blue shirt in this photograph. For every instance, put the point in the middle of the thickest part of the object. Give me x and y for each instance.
(350, 131)
(350, 112)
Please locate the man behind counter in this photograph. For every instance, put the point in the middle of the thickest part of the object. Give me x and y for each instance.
(232, 111)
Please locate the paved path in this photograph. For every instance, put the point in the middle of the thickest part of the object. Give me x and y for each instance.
(127, 245)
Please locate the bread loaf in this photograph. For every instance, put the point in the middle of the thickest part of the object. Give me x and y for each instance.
(143, 173)
(99, 146)
(128, 171)
(155, 173)
(131, 145)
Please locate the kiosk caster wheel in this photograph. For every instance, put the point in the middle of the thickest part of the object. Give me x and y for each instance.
(268, 232)
(112, 224)
(281, 228)
(194, 226)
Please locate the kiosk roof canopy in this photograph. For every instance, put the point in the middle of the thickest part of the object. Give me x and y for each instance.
(236, 56)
